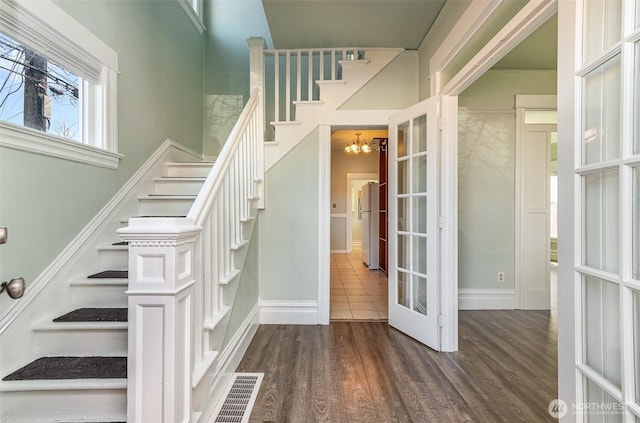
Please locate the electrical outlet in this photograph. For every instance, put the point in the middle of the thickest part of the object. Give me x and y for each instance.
(500, 277)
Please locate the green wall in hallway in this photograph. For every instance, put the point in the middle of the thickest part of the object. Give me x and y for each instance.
(289, 226)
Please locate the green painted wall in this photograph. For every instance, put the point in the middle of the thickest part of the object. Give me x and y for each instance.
(486, 174)
(229, 24)
(46, 201)
(289, 226)
(394, 87)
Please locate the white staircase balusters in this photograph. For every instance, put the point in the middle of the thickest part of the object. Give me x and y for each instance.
(183, 276)
(294, 69)
(331, 77)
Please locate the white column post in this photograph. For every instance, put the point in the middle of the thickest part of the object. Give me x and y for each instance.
(160, 299)
(257, 82)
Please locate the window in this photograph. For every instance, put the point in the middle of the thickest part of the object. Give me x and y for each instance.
(57, 85)
(38, 93)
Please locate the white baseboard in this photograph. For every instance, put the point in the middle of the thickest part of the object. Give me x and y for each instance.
(339, 251)
(276, 312)
(229, 360)
(486, 299)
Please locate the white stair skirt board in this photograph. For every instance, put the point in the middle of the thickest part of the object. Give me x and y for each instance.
(275, 312)
(239, 398)
(486, 299)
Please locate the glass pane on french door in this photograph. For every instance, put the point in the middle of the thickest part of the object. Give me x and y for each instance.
(412, 214)
(607, 176)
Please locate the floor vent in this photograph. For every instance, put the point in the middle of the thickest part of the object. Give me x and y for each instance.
(239, 399)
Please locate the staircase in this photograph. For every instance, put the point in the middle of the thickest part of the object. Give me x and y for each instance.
(80, 373)
(136, 330)
(312, 87)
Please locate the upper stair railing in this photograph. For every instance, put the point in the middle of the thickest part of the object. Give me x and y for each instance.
(183, 276)
(295, 74)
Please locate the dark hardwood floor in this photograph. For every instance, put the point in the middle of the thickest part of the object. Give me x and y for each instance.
(505, 371)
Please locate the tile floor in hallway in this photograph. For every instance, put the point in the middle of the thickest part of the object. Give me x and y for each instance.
(357, 293)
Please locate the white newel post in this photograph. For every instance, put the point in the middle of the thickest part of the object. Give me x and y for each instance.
(160, 297)
(256, 82)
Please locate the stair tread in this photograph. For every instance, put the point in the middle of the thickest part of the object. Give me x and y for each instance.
(158, 217)
(72, 368)
(94, 315)
(110, 274)
(181, 178)
(167, 197)
(121, 243)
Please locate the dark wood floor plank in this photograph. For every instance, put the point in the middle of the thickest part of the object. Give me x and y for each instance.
(505, 371)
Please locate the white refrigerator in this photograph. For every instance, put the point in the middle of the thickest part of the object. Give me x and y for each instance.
(369, 213)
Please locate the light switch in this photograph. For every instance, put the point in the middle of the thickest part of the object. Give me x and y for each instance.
(4, 234)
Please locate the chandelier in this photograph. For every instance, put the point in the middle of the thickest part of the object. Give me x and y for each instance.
(355, 146)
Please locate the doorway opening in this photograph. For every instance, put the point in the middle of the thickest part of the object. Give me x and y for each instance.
(358, 288)
(503, 198)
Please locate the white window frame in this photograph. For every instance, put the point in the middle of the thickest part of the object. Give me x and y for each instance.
(193, 9)
(64, 37)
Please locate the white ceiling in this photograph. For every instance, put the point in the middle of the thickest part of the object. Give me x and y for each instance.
(350, 23)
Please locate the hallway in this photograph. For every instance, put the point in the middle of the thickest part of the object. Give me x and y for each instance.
(357, 293)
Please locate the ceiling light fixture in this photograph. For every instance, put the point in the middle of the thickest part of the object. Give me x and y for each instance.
(355, 146)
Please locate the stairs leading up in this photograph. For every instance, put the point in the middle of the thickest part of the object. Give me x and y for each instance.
(78, 369)
(333, 94)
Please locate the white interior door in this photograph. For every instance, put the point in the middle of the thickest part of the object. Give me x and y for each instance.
(535, 224)
(413, 222)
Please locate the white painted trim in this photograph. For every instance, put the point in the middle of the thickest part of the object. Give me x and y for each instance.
(276, 312)
(63, 384)
(339, 252)
(486, 299)
(81, 240)
(194, 17)
(26, 139)
(228, 361)
(465, 28)
(524, 103)
(538, 102)
(50, 22)
(349, 205)
(324, 223)
(527, 20)
(449, 233)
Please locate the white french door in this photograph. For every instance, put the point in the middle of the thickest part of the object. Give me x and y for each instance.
(606, 174)
(414, 211)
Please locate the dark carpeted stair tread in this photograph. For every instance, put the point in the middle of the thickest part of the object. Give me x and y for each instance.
(110, 274)
(94, 315)
(50, 368)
